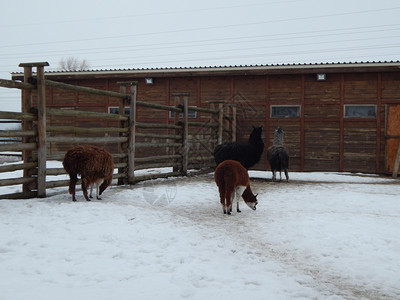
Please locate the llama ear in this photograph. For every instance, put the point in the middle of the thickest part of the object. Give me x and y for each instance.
(255, 195)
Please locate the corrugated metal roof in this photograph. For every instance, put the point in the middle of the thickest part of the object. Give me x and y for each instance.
(230, 68)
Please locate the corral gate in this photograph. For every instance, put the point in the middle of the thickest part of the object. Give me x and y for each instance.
(184, 145)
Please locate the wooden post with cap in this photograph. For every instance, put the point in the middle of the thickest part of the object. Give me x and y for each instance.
(41, 125)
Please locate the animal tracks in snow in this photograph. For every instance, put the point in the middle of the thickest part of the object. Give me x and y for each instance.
(255, 240)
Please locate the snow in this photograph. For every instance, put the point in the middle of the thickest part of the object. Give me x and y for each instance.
(320, 236)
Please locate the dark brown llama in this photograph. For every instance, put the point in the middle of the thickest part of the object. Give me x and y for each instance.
(94, 165)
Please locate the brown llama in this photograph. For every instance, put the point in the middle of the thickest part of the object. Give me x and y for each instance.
(233, 181)
(94, 165)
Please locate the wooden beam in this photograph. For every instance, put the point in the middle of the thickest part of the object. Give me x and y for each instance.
(123, 124)
(378, 123)
(341, 125)
(84, 114)
(34, 64)
(11, 84)
(72, 129)
(23, 116)
(17, 133)
(155, 145)
(153, 176)
(41, 98)
(185, 154)
(132, 133)
(154, 158)
(83, 89)
(14, 181)
(15, 167)
(267, 119)
(85, 140)
(18, 146)
(302, 124)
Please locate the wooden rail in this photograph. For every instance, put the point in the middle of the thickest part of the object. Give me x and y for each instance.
(175, 143)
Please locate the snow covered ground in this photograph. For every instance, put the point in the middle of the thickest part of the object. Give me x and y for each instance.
(320, 236)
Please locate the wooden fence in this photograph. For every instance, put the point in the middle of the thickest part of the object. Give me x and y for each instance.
(180, 146)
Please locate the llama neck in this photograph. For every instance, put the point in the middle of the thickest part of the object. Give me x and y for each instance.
(278, 139)
(255, 140)
(247, 194)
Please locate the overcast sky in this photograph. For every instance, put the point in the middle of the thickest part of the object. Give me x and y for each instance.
(141, 34)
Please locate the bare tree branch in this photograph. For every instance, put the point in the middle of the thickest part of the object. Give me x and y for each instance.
(73, 64)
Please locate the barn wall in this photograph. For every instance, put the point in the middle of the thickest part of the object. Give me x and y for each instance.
(319, 139)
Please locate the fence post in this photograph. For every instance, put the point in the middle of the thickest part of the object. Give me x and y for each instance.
(122, 147)
(121, 110)
(41, 91)
(26, 106)
(185, 140)
(132, 134)
(41, 123)
(177, 132)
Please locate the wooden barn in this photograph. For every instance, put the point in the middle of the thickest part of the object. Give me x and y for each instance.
(336, 117)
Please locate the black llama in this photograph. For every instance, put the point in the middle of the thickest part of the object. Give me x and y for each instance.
(248, 154)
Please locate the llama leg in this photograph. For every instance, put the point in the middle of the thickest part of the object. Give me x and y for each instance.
(228, 202)
(91, 190)
(72, 183)
(233, 199)
(280, 175)
(273, 175)
(222, 198)
(97, 191)
(287, 175)
(98, 184)
(236, 199)
(84, 189)
(239, 192)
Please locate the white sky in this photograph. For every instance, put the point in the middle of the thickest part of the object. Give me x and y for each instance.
(141, 34)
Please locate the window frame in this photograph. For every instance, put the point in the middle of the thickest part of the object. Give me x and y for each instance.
(298, 113)
(171, 114)
(126, 110)
(359, 105)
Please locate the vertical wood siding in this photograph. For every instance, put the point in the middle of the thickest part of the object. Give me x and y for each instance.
(321, 139)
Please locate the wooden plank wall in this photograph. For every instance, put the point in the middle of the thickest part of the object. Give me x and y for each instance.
(321, 139)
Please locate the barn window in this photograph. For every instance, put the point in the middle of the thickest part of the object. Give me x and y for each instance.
(115, 110)
(285, 111)
(191, 114)
(359, 111)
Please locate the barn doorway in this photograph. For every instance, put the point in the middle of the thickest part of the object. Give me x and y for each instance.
(392, 135)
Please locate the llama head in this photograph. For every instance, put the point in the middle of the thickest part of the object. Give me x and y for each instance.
(249, 198)
(252, 201)
(278, 130)
(104, 185)
(255, 135)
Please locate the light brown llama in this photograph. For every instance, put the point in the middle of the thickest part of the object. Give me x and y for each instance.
(233, 181)
(94, 165)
